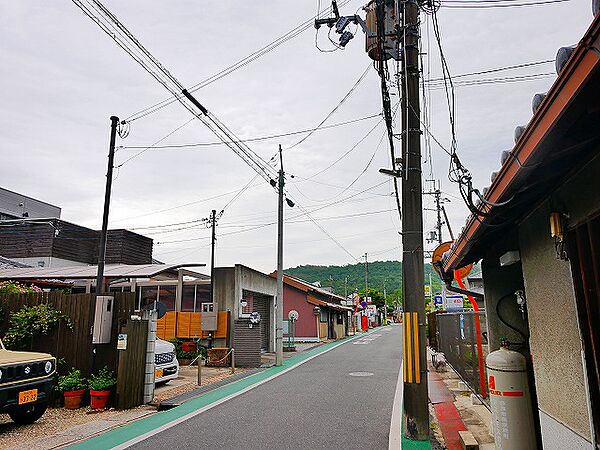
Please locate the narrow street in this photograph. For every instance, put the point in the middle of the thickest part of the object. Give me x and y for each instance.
(316, 405)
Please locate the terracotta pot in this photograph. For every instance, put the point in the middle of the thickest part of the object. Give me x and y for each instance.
(99, 399)
(73, 399)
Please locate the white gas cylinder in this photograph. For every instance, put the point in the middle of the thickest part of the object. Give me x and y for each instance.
(510, 399)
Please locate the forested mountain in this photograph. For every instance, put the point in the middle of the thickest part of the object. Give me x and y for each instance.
(380, 273)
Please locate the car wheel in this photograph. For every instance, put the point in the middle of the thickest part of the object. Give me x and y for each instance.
(28, 414)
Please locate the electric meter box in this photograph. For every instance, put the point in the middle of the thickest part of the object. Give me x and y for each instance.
(103, 319)
(209, 316)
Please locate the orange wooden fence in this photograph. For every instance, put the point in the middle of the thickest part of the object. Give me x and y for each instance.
(188, 325)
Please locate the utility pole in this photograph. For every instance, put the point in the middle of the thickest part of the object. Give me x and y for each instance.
(366, 277)
(416, 412)
(447, 223)
(213, 224)
(346, 287)
(437, 193)
(279, 306)
(114, 122)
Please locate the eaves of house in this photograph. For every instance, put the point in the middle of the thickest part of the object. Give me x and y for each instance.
(561, 137)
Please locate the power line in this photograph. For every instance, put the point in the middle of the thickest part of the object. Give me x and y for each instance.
(497, 69)
(123, 37)
(332, 112)
(261, 138)
(294, 32)
(470, 5)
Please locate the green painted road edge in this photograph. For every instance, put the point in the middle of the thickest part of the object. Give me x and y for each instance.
(122, 434)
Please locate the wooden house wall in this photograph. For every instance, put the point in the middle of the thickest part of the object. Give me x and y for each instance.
(125, 247)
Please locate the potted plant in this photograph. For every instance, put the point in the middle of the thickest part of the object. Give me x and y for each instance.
(73, 386)
(100, 388)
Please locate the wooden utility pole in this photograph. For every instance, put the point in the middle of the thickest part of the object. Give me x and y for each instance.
(114, 122)
(416, 412)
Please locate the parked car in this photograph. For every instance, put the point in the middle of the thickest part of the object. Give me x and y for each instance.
(166, 366)
(26, 380)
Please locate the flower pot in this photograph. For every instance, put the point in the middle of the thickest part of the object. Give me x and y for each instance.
(73, 398)
(99, 399)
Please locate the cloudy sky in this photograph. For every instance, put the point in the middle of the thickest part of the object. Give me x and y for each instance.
(62, 78)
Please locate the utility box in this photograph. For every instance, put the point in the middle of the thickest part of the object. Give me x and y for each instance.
(103, 319)
(209, 316)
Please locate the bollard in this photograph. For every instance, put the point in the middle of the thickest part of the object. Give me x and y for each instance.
(232, 360)
(200, 371)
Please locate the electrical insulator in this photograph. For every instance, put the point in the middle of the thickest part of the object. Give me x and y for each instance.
(392, 24)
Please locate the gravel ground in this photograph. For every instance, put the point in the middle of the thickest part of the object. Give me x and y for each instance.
(191, 384)
(53, 421)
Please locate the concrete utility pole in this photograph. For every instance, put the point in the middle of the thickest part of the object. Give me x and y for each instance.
(114, 122)
(279, 306)
(447, 223)
(416, 412)
(213, 240)
(437, 193)
(366, 277)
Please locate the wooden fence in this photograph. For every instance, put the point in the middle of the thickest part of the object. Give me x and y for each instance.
(134, 366)
(72, 346)
(188, 325)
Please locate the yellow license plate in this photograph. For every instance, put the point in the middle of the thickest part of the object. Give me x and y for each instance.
(158, 373)
(28, 396)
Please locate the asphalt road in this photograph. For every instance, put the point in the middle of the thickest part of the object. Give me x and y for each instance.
(318, 405)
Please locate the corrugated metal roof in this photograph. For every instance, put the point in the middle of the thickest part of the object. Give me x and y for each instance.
(89, 272)
(6, 263)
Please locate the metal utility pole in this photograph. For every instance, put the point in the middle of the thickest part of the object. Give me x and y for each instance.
(279, 306)
(114, 122)
(416, 412)
(437, 193)
(213, 224)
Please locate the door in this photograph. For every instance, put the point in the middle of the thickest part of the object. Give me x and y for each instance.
(584, 253)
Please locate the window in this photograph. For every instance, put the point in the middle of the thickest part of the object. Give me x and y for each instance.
(340, 319)
(247, 302)
(167, 296)
(148, 295)
(323, 315)
(188, 297)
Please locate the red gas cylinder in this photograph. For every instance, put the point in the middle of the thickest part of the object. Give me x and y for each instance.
(188, 346)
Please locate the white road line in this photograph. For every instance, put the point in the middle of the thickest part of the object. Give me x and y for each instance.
(181, 419)
(395, 440)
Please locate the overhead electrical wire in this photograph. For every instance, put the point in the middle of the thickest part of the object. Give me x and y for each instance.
(332, 112)
(496, 69)
(294, 32)
(109, 23)
(481, 5)
(255, 139)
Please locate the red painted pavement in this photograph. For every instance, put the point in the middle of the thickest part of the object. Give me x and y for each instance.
(445, 411)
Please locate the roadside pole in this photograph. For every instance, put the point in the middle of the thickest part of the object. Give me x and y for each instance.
(416, 410)
(279, 304)
(114, 122)
(213, 223)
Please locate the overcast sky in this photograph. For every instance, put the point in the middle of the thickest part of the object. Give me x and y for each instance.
(62, 78)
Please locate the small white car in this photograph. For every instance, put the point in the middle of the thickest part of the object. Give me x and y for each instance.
(166, 366)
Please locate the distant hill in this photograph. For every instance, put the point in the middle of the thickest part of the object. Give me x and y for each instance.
(380, 272)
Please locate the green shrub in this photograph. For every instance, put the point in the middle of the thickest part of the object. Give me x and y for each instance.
(73, 381)
(32, 321)
(103, 380)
